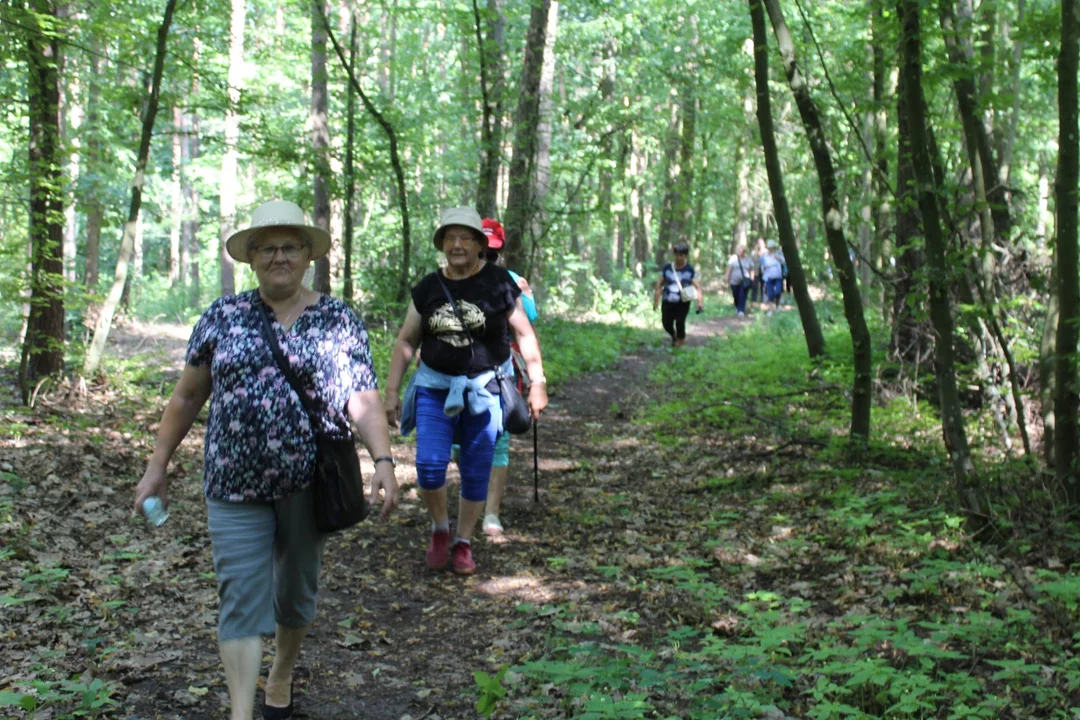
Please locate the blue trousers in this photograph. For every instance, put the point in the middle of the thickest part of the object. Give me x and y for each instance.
(739, 293)
(435, 433)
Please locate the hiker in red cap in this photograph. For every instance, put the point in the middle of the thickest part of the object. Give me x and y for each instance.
(500, 467)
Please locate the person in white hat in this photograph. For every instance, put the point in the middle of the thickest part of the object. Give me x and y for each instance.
(260, 444)
(459, 319)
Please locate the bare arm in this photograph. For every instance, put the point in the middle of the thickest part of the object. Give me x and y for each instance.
(368, 417)
(530, 351)
(187, 400)
(405, 346)
(659, 289)
(700, 294)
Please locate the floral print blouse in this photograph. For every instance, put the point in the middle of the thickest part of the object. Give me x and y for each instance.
(259, 440)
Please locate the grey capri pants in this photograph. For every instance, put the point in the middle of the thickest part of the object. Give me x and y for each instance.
(267, 558)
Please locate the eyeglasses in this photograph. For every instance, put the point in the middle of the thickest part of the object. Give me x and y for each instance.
(463, 237)
(291, 252)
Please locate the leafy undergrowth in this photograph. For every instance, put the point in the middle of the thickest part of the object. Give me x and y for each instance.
(758, 568)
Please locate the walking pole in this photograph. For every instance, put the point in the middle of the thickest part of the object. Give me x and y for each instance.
(536, 463)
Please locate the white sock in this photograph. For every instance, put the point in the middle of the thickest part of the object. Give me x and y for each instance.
(462, 540)
(438, 525)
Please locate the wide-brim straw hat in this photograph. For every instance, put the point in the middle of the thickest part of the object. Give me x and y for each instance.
(463, 216)
(283, 214)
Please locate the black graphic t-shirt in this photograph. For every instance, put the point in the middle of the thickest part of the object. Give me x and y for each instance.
(485, 301)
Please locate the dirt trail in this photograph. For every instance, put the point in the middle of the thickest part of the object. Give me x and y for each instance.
(392, 639)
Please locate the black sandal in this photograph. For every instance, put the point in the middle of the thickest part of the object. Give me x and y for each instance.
(269, 712)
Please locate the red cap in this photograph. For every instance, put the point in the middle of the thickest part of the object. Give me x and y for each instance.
(494, 230)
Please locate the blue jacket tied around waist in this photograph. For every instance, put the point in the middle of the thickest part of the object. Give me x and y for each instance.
(463, 390)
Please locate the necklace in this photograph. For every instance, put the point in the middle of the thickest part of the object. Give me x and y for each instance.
(296, 304)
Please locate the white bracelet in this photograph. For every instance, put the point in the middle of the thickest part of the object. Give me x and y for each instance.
(538, 381)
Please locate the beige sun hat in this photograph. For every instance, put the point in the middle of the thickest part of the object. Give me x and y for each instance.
(278, 213)
(771, 245)
(464, 216)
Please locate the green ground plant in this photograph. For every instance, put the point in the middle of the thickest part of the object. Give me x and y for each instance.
(822, 584)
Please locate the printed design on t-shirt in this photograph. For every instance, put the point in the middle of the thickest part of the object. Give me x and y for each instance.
(445, 326)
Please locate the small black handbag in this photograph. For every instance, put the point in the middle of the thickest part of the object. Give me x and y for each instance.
(517, 417)
(338, 486)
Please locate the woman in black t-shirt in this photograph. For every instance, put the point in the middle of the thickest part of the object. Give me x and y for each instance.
(678, 286)
(459, 320)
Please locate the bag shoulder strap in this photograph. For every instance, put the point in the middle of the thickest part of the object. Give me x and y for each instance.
(675, 272)
(286, 369)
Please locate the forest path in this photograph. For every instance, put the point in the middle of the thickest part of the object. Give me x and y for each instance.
(392, 639)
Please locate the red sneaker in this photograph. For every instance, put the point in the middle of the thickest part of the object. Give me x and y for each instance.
(463, 562)
(438, 551)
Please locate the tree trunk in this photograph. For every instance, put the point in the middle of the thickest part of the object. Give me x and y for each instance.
(320, 137)
(95, 212)
(606, 241)
(952, 420)
(861, 393)
(189, 146)
(1047, 353)
(229, 158)
(43, 346)
(177, 264)
(815, 341)
(1007, 139)
(395, 162)
(71, 117)
(519, 207)
(96, 350)
(882, 204)
(492, 87)
(350, 177)
(907, 342)
(962, 57)
(541, 177)
(1065, 199)
(623, 229)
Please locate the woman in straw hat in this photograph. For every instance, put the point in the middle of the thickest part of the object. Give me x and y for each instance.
(459, 319)
(260, 444)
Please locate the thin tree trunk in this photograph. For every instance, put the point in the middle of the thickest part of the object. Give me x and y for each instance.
(1008, 138)
(96, 350)
(320, 137)
(95, 212)
(815, 341)
(606, 241)
(43, 346)
(350, 177)
(189, 145)
(952, 420)
(541, 176)
(526, 123)
(861, 394)
(961, 55)
(177, 264)
(229, 158)
(1065, 200)
(623, 230)
(71, 115)
(1047, 353)
(906, 342)
(492, 86)
(882, 204)
(395, 163)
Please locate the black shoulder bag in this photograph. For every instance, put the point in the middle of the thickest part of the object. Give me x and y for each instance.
(338, 486)
(517, 418)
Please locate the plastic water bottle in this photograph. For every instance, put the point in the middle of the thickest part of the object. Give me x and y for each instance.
(155, 511)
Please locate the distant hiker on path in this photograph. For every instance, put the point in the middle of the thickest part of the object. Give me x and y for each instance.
(678, 286)
(459, 318)
(772, 272)
(260, 445)
(740, 277)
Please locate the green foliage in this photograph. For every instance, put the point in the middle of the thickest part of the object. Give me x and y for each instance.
(491, 690)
